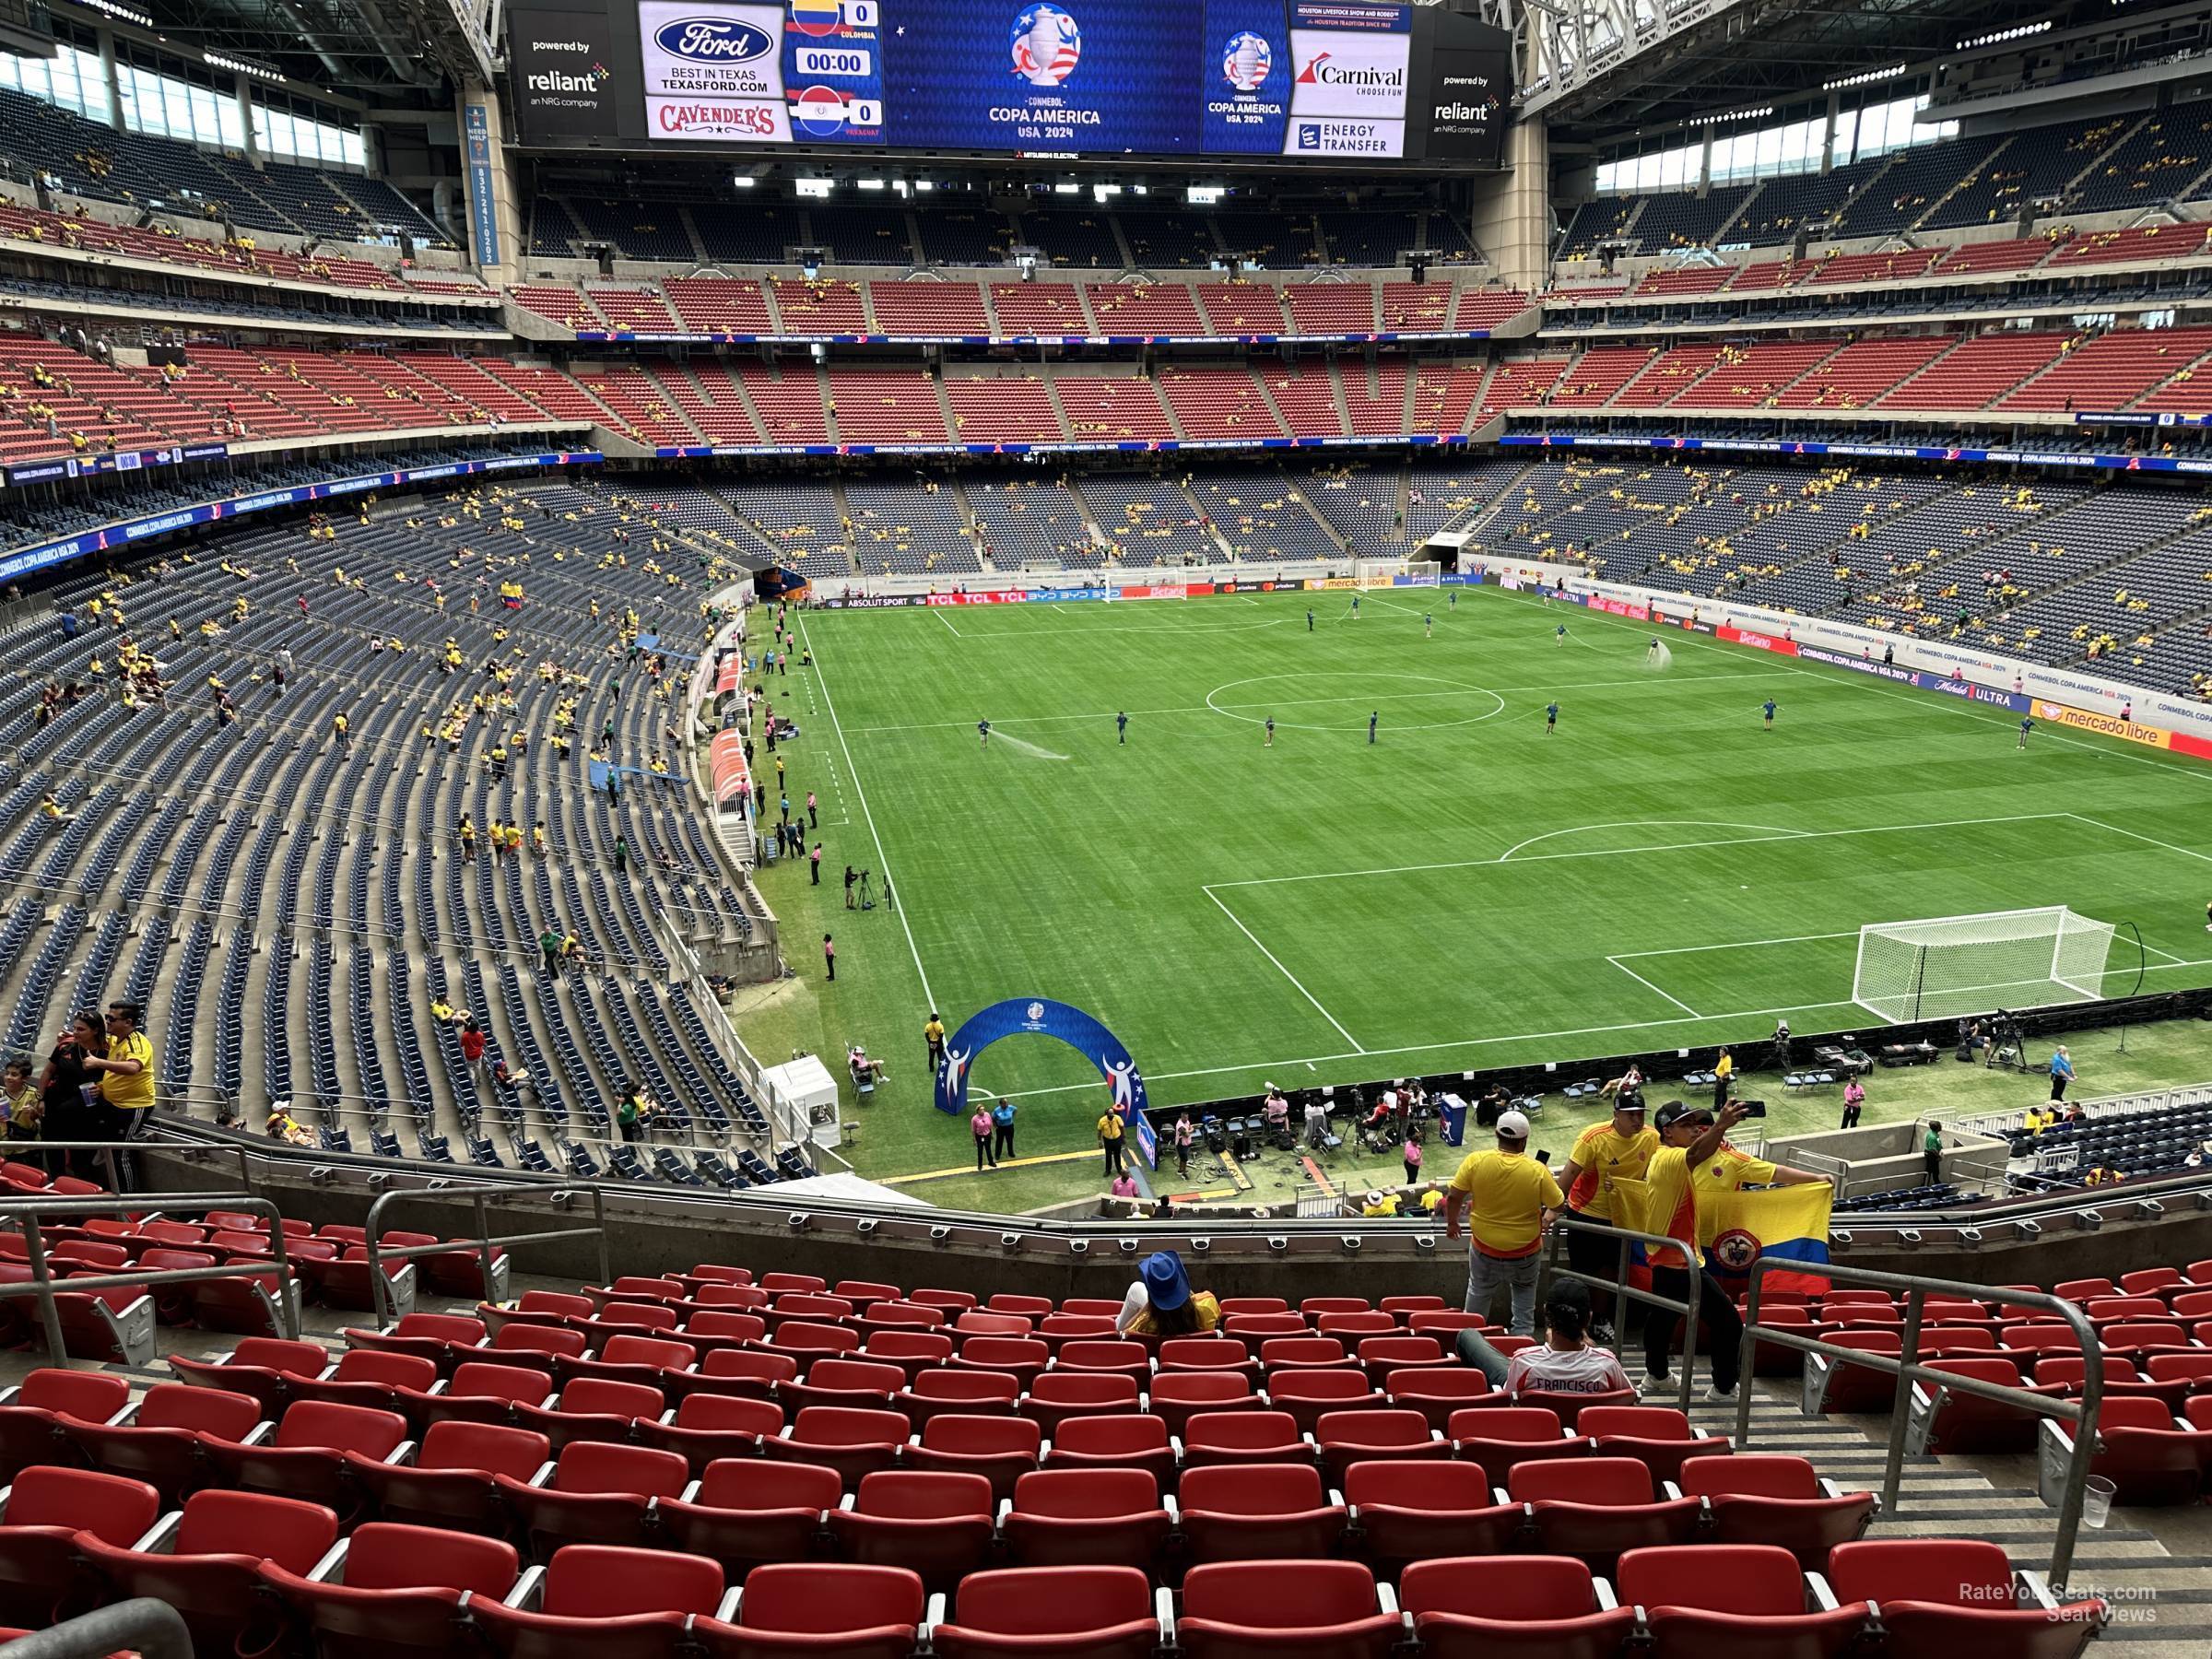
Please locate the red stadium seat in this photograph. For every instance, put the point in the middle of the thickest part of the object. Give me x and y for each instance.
(31, 1416)
(591, 1408)
(1659, 1436)
(1086, 1517)
(47, 1507)
(1771, 1498)
(1244, 1437)
(706, 1427)
(1258, 1512)
(600, 1493)
(1499, 1437)
(1320, 1609)
(1293, 1353)
(839, 1382)
(1942, 1597)
(1209, 1353)
(211, 1573)
(1137, 1441)
(1571, 1406)
(852, 1442)
(1178, 1396)
(938, 1525)
(1403, 1512)
(1382, 1358)
(913, 1351)
(454, 1482)
(944, 1391)
(1351, 1326)
(258, 1366)
(395, 1592)
(1000, 1449)
(1345, 1438)
(746, 1512)
(482, 1392)
(2148, 1456)
(793, 1612)
(1947, 1421)
(162, 1441)
(1050, 1613)
(610, 1602)
(1485, 1607)
(1022, 1357)
(1840, 1385)
(306, 1457)
(1436, 1393)
(1733, 1601)
(1307, 1395)
(1056, 1396)
(371, 1377)
(1597, 1507)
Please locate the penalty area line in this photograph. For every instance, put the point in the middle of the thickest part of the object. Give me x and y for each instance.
(1649, 986)
(1295, 982)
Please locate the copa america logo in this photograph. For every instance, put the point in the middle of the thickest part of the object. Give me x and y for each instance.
(1246, 61)
(1046, 45)
(1035, 1010)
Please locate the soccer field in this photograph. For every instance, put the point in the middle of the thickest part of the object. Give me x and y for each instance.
(1464, 891)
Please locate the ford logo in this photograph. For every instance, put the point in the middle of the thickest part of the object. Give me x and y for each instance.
(713, 41)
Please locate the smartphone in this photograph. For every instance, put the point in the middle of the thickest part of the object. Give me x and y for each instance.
(1753, 1108)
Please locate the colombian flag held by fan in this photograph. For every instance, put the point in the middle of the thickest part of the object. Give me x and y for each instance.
(1739, 1227)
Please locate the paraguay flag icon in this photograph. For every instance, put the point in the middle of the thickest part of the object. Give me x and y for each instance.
(818, 112)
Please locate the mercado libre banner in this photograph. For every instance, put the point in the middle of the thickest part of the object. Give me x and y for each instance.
(1037, 1015)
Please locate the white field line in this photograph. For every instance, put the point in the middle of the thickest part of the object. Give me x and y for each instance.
(941, 616)
(883, 861)
(1286, 972)
(1649, 986)
(1733, 840)
(1740, 944)
(1549, 686)
(2134, 835)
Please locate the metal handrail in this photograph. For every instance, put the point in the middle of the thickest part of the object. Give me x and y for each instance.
(1620, 1287)
(152, 1628)
(42, 1283)
(26, 1149)
(484, 1243)
(1909, 1371)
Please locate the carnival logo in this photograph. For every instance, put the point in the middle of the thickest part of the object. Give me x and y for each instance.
(1046, 45)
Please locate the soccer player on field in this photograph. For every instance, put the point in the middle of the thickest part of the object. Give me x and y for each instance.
(1653, 654)
(1120, 726)
(1551, 717)
(984, 730)
(1428, 626)
(2027, 725)
(1768, 707)
(1371, 718)
(1562, 633)
(1308, 618)
(1270, 744)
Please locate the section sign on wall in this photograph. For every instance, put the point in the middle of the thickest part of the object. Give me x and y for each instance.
(560, 63)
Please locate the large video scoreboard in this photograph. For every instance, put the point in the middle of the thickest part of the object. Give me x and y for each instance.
(1367, 79)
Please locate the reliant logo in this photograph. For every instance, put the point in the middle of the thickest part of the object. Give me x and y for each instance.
(1460, 112)
(1321, 72)
(713, 41)
(557, 80)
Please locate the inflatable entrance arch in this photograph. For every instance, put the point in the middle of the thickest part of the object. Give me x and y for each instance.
(1037, 1015)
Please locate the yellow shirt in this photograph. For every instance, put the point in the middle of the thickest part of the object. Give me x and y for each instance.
(1203, 1306)
(933, 1032)
(1723, 1173)
(134, 1092)
(1109, 1126)
(1601, 1156)
(1507, 1193)
(1670, 1204)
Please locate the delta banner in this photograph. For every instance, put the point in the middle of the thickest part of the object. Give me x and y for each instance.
(1037, 1015)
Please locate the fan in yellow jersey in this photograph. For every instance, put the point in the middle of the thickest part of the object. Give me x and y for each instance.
(1617, 1149)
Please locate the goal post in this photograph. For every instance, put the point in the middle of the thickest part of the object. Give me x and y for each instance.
(1397, 572)
(1948, 967)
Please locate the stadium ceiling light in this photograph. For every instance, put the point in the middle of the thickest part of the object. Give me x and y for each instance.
(1866, 78)
(1758, 113)
(1998, 37)
(818, 188)
(871, 184)
(215, 60)
(745, 181)
(1204, 196)
(1104, 193)
(1066, 187)
(127, 14)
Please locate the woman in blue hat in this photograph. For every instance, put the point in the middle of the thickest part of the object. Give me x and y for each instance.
(1161, 1302)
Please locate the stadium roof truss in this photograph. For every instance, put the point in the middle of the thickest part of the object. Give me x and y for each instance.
(1623, 63)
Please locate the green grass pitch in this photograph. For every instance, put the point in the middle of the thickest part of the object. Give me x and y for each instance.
(1464, 892)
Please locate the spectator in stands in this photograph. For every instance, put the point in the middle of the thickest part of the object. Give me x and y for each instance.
(1565, 1361)
(62, 1085)
(123, 1071)
(1689, 1136)
(1510, 1199)
(1602, 1154)
(1161, 1302)
(472, 1045)
(1855, 1097)
(632, 1110)
(25, 1108)
(548, 942)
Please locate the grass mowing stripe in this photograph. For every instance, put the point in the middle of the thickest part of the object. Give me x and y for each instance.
(883, 861)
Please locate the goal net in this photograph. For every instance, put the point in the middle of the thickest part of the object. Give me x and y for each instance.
(1396, 572)
(1951, 966)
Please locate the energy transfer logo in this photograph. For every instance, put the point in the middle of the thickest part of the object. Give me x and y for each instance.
(1246, 61)
(1046, 44)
